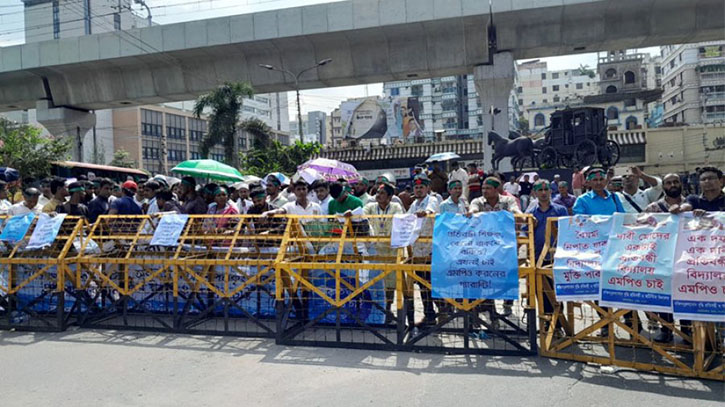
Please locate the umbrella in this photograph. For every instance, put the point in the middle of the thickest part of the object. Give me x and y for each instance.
(530, 174)
(443, 157)
(331, 170)
(208, 169)
(281, 177)
(310, 175)
(251, 179)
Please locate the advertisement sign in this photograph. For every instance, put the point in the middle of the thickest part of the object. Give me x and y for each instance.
(389, 119)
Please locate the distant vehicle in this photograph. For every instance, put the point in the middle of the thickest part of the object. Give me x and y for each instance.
(73, 169)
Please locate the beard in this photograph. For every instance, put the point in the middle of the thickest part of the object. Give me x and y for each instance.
(673, 192)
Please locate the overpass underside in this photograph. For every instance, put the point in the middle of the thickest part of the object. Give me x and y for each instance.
(369, 41)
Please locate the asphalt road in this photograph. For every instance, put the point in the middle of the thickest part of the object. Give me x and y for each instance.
(109, 368)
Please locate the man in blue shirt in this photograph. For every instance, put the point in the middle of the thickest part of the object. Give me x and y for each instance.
(542, 210)
(598, 201)
(99, 205)
(126, 204)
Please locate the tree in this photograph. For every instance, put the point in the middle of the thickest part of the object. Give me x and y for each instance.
(225, 103)
(24, 148)
(585, 70)
(122, 158)
(278, 158)
(523, 125)
(259, 130)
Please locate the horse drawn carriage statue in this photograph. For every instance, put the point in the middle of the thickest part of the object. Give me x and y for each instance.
(574, 138)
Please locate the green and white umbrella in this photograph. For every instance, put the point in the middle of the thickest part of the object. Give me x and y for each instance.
(208, 169)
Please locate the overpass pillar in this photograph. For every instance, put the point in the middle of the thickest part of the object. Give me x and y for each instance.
(66, 122)
(494, 84)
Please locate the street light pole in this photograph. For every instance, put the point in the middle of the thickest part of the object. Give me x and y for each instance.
(296, 77)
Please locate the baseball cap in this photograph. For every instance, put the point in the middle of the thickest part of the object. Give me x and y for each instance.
(130, 185)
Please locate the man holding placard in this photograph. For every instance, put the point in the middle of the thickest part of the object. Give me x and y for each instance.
(424, 205)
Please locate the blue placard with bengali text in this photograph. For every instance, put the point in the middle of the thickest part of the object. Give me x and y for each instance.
(581, 241)
(475, 257)
(16, 227)
(637, 267)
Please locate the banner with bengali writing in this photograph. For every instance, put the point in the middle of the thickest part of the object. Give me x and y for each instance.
(475, 257)
(581, 242)
(698, 279)
(637, 268)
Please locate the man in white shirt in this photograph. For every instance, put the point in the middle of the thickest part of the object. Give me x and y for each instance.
(361, 191)
(29, 204)
(424, 205)
(244, 203)
(635, 200)
(4, 203)
(512, 187)
(459, 174)
(322, 191)
(150, 189)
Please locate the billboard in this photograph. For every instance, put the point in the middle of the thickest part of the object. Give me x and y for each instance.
(389, 119)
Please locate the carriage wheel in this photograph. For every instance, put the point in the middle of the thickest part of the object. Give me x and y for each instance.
(609, 155)
(521, 163)
(548, 158)
(567, 161)
(585, 153)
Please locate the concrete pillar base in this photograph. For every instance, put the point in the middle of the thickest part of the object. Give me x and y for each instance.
(494, 84)
(65, 122)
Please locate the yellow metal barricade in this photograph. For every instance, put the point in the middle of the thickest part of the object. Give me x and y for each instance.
(344, 287)
(36, 291)
(217, 279)
(570, 331)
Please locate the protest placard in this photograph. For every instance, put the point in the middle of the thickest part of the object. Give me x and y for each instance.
(637, 267)
(405, 230)
(698, 279)
(578, 259)
(475, 257)
(46, 230)
(16, 227)
(169, 229)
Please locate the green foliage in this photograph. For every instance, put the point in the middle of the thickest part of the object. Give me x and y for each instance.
(122, 158)
(24, 148)
(585, 70)
(225, 103)
(523, 125)
(260, 132)
(278, 158)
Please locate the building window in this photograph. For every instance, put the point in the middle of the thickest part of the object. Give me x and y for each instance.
(612, 113)
(543, 75)
(580, 86)
(629, 77)
(394, 91)
(543, 90)
(151, 123)
(539, 120)
(117, 21)
(611, 73)
(556, 99)
(611, 89)
(630, 102)
(545, 101)
(556, 88)
(631, 123)
(175, 126)
(520, 89)
(555, 75)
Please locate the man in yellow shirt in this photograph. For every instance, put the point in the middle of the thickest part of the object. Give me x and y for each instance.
(59, 191)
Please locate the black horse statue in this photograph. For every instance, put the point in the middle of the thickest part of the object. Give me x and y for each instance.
(502, 148)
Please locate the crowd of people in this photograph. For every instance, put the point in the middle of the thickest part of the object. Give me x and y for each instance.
(595, 191)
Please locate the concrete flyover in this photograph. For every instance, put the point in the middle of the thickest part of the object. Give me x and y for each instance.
(369, 41)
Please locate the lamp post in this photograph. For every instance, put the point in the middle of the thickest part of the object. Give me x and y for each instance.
(296, 77)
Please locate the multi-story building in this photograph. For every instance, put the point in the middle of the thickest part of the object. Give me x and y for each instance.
(147, 131)
(540, 89)
(53, 19)
(317, 124)
(694, 83)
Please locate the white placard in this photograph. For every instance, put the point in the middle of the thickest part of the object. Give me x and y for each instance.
(405, 231)
(169, 229)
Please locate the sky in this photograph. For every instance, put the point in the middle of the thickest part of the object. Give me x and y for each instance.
(174, 11)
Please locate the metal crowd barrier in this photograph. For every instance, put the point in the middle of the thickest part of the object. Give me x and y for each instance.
(36, 290)
(570, 331)
(219, 279)
(356, 291)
